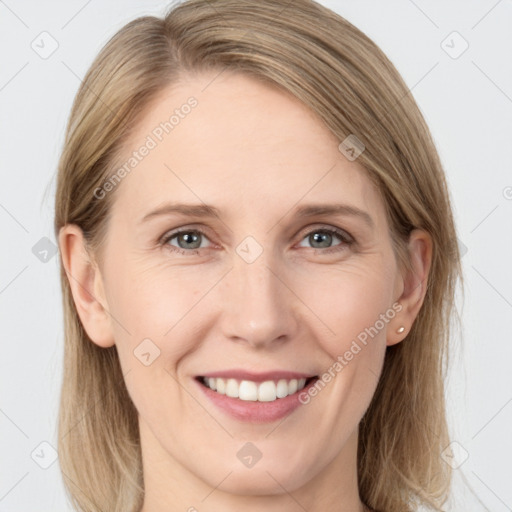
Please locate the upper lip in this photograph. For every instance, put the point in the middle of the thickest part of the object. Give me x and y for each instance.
(240, 374)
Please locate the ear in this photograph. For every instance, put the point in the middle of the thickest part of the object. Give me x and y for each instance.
(413, 284)
(86, 286)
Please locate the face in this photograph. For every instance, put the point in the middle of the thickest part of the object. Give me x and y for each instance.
(266, 290)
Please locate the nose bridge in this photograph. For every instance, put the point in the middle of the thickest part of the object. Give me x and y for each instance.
(259, 309)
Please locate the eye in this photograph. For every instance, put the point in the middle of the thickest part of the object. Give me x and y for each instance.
(186, 240)
(322, 238)
(189, 241)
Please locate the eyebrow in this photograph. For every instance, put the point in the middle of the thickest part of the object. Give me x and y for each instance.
(335, 209)
(310, 210)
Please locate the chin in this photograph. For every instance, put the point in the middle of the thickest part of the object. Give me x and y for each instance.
(261, 480)
(249, 483)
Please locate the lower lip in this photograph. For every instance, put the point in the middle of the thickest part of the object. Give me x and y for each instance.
(254, 411)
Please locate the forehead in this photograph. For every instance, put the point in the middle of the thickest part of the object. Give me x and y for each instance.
(241, 145)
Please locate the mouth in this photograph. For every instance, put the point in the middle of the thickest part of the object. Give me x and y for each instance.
(251, 397)
(258, 390)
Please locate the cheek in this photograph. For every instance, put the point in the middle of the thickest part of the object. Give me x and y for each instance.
(153, 317)
(353, 302)
(148, 296)
(159, 302)
(356, 304)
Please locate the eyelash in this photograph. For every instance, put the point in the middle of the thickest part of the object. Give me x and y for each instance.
(346, 239)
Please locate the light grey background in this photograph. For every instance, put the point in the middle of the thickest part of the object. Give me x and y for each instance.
(467, 102)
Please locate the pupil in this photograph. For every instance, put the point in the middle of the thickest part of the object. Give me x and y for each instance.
(190, 237)
(322, 237)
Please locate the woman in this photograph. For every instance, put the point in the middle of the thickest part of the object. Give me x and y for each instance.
(258, 265)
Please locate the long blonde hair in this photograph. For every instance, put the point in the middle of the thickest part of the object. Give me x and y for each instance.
(341, 75)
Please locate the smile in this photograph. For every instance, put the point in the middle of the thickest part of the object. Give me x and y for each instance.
(261, 397)
(248, 390)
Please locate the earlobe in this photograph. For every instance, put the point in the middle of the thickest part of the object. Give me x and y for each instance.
(86, 286)
(414, 285)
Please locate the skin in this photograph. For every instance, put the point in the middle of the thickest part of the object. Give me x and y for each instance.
(256, 154)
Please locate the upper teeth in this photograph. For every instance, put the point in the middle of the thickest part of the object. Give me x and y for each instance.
(266, 391)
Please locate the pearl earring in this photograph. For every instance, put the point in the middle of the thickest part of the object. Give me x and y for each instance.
(401, 329)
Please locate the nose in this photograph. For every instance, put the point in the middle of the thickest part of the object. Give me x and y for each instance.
(258, 307)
